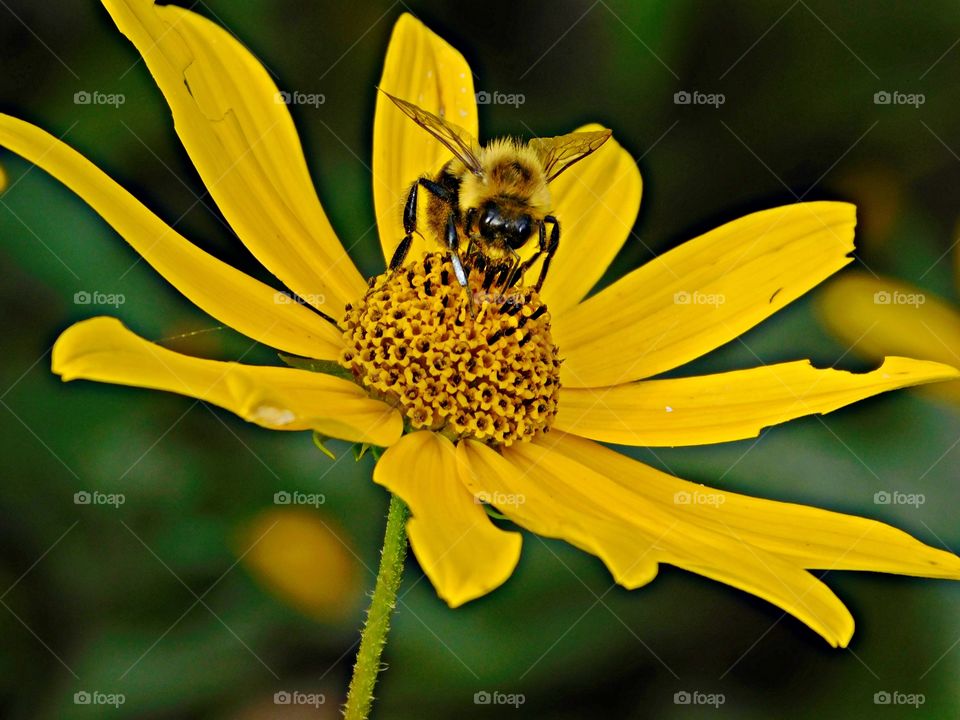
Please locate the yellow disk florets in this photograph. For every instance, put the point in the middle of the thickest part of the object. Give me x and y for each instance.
(492, 376)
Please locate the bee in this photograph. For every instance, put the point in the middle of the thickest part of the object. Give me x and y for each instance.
(490, 201)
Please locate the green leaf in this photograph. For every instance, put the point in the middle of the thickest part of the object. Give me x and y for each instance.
(320, 441)
(494, 513)
(327, 367)
(359, 450)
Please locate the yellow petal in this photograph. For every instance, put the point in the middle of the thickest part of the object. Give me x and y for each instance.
(807, 536)
(233, 298)
(727, 406)
(881, 315)
(537, 502)
(703, 293)
(458, 547)
(652, 532)
(278, 398)
(421, 68)
(301, 557)
(239, 135)
(596, 202)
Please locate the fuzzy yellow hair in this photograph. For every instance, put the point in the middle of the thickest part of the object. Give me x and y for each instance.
(510, 170)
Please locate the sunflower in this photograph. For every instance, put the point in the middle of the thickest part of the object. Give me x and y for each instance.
(507, 408)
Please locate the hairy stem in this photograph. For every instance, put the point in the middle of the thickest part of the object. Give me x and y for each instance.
(374, 636)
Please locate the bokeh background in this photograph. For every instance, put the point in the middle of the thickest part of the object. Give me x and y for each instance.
(200, 597)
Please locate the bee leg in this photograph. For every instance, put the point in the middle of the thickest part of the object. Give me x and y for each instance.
(489, 274)
(473, 256)
(435, 189)
(410, 217)
(522, 268)
(506, 272)
(550, 249)
(409, 227)
(400, 254)
(451, 238)
(468, 220)
(453, 244)
(514, 271)
(478, 261)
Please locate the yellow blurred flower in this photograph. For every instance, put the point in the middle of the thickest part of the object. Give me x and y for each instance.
(300, 556)
(877, 316)
(465, 425)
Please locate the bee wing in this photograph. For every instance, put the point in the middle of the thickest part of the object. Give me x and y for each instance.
(559, 153)
(455, 138)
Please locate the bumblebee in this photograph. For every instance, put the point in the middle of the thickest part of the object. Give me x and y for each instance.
(490, 201)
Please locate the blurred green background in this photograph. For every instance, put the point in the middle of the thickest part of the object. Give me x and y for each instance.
(152, 600)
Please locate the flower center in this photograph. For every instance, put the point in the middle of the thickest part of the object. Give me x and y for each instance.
(493, 375)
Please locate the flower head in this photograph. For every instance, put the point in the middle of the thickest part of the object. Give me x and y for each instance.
(491, 375)
(463, 402)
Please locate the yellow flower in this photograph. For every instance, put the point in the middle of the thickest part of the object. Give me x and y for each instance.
(479, 377)
(294, 553)
(876, 315)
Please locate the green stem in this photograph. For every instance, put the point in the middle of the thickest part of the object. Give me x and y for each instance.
(374, 636)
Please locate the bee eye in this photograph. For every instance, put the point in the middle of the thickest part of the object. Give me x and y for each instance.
(520, 231)
(523, 226)
(490, 221)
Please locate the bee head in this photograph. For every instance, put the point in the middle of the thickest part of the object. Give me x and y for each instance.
(513, 229)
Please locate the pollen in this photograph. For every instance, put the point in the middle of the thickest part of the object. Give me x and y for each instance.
(492, 374)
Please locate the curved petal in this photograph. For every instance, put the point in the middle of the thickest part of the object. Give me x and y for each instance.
(703, 293)
(535, 501)
(102, 349)
(585, 500)
(459, 548)
(421, 68)
(238, 132)
(882, 315)
(596, 202)
(728, 406)
(233, 298)
(806, 536)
